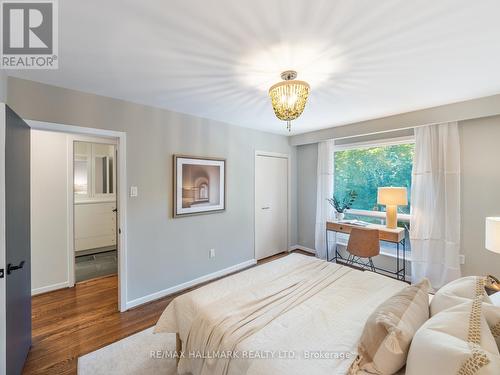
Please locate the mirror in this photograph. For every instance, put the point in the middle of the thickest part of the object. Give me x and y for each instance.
(103, 175)
(81, 177)
(103, 168)
(94, 170)
(81, 169)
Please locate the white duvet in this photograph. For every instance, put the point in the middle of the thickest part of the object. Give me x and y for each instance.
(317, 336)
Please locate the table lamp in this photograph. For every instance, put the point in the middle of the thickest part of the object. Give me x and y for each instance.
(392, 197)
(492, 243)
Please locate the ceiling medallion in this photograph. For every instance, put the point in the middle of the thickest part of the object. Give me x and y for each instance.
(289, 97)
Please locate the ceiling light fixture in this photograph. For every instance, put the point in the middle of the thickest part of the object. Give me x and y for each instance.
(289, 97)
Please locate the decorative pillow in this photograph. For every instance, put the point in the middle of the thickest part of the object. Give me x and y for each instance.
(388, 332)
(492, 315)
(495, 299)
(458, 291)
(455, 341)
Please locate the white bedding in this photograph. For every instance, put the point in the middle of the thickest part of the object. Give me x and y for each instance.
(328, 324)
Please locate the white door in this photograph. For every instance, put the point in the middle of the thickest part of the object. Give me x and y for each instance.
(271, 208)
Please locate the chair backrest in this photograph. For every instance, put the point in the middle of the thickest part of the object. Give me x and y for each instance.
(364, 242)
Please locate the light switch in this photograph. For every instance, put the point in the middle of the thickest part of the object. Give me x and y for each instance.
(461, 257)
(133, 191)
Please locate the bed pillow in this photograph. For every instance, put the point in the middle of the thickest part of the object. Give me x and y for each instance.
(458, 291)
(492, 315)
(388, 332)
(455, 341)
(495, 298)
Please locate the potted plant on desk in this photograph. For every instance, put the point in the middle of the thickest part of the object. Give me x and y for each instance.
(340, 205)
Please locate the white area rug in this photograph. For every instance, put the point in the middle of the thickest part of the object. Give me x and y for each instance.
(131, 356)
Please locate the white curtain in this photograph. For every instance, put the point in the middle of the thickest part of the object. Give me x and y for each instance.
(435, 204)
(324, 211)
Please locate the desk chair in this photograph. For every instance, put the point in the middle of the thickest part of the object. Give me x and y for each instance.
(363, 243)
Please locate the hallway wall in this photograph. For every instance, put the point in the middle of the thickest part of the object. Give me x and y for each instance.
(49, 211)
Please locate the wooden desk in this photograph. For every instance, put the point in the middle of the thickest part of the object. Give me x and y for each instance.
(396, 235)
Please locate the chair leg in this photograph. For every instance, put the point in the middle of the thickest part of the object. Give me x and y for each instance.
(350, 259)
(372, 266)
(357, 260)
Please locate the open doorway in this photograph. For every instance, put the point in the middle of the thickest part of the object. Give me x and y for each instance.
(78, 207)
(94, 210)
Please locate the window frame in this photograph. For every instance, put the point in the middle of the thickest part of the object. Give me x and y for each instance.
(371, 144)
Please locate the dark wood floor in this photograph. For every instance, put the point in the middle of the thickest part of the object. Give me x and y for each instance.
(72, 322)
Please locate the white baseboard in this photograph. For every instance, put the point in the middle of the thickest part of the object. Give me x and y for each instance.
(177, 288)
(303, 248)
(49, 288)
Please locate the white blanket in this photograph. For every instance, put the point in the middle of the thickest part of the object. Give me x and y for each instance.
(317, 336)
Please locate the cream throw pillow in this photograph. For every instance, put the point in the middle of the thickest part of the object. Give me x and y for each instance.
(459, 291)
(388, 332)
(492, 315)
(455, 341)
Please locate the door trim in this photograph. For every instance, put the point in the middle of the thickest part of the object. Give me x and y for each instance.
(120, 139)
(288, 189)
(71, 139)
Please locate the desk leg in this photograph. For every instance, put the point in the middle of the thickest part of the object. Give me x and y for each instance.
(326, 244)
(397, 262)
(337, 254)
(404, 259)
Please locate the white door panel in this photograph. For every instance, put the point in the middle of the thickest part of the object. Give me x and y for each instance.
(271, 205)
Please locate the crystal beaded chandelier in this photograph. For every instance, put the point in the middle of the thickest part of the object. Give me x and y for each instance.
(289, 97)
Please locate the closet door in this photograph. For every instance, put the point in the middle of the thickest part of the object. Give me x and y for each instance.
(271, 205)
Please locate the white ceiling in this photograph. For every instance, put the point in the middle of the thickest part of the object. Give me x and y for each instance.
(217, 58)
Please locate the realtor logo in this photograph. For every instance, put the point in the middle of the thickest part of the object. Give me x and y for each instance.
(29, 34)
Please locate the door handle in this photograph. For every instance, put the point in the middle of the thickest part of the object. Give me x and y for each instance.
(266, 208)
(11, 268)
(115, 209)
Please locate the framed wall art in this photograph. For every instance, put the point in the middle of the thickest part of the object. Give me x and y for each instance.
(199, 185)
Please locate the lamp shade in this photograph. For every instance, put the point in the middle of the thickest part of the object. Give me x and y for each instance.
(392, 196)
(492, 242)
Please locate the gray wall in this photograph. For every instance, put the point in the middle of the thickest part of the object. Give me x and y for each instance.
(3, 86)
(307, 159)
(480, 153)
(49, 211)
(162, 251)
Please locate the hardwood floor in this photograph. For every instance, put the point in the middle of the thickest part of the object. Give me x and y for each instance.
(72, 322)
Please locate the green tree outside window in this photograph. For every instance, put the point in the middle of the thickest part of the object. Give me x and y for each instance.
(364, 170)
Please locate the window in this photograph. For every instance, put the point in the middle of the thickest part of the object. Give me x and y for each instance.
(365, 169)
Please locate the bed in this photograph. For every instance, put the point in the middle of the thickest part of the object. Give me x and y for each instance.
(294, 315)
